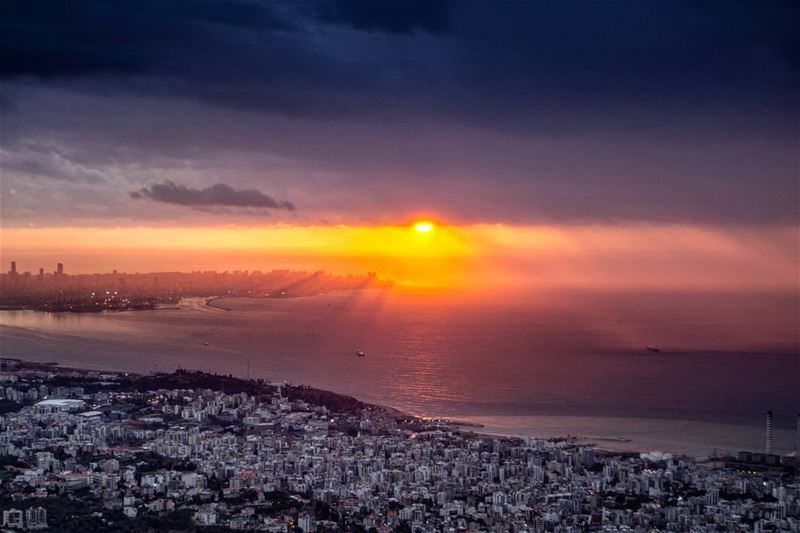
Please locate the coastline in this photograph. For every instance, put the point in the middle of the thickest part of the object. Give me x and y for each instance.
(543, 427)
(178, 342)
(679, 437)
(684, 437)
(210, 300)
(335, 401)
(210, 303)
(172, 427)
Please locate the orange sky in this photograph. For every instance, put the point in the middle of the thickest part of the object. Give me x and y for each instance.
(474, 256)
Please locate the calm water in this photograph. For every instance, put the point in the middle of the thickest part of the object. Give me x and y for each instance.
(542, 364)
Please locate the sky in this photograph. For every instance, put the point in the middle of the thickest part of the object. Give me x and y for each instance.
(581, 143)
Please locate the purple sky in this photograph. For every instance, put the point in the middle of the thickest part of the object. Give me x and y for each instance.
(217, 112)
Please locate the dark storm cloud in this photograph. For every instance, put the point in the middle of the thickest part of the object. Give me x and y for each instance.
(52, 38)
(556, 110)
(238, 54)
(397, 16)
(219, 194)
(521, 67)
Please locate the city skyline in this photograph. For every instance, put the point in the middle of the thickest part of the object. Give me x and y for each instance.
(313, 133)
(635, 256)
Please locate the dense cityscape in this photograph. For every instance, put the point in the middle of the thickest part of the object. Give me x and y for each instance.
(60, 292)
(554, 244)
(106, 451)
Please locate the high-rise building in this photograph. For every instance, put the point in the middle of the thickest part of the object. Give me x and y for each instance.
(306, 523)
(12, 518)
(60, 269)
(36, 518)
(41, 273)
(13, 270)
(769, 432)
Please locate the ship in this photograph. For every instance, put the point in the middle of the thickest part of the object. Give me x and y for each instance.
(653, 348)
(360, 353)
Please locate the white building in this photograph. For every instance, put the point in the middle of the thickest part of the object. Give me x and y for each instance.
(59, 406)
(12, 518)
(306, 523)
(36, 518)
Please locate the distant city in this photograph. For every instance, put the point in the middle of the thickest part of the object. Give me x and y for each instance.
(58, 291)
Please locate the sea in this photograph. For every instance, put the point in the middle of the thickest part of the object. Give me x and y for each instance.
(538, 363)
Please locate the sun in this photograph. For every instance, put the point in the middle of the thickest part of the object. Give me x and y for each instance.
(423, 226)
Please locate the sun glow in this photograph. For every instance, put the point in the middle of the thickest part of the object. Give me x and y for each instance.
(423, 226)
(424, 254)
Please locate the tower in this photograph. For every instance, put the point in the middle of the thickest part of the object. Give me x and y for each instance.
(797, 439)
(769, 432)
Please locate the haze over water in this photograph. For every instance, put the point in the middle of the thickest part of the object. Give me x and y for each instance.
(547, 363)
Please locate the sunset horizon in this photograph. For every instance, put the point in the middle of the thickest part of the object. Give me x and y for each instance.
(424, 266)
(443, 255)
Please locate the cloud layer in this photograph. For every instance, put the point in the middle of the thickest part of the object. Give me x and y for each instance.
(218, 194)
(526, 112)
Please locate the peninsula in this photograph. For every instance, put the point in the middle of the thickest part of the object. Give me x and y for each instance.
(115, 291)
(87, 450)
